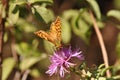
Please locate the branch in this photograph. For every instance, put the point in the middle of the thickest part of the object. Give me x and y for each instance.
(101, 42)
(25, 75)
(2, 26)
(17, 75)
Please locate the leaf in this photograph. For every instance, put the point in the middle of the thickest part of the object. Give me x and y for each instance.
(23, 49)
(114, 13)
(103, 71)
(117, 77)
(40, 1)
(81, 28)
(26, 50)
(101, 78)
(49, 47)
(7, 67)
(35, 43)
(5, 38)
(28, 62)
(42, 14)
(100, 24)
(89, 74)
(116, 67)
(66, 31)
(101, 66)
(35, 73)
(95, 8)
(13, 17)
(116, 4)
(85, 16)
(19, 2)
(25, 26)
(69, 14)
(80, 23)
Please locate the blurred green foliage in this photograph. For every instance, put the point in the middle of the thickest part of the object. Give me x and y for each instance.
(114, 13)
(117, 4)
(8, 65)
(24, 17)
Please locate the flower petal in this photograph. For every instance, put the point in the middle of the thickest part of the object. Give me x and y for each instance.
(78, 55)
(69, 64)
(52, 69)
(62, 71)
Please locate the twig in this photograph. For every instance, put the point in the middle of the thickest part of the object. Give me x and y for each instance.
(17, 75)
(14, 54)
(2, 26)
(101, 42)
(25, 75)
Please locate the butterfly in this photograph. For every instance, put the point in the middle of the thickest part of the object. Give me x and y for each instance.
(54, 34)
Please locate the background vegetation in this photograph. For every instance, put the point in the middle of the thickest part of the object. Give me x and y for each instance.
(24, 56)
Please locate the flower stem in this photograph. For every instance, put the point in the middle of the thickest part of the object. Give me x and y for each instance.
(58, 77)
(101, 42)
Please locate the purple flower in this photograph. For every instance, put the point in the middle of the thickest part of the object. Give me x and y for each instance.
(61, 60)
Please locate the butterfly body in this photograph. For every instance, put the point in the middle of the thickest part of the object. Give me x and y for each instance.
(54, 35)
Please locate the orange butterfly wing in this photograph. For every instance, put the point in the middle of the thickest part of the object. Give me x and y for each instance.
(44, 35)
(54, 35)
(55, 30)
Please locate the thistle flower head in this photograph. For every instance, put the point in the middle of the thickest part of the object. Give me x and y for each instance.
(61, 60)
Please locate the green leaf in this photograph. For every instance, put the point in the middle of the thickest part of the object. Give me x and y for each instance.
(118, 46)
(100, 24)
(35, 43)
(116, 4)
(25, 26)
(66, 31)
(69, 14)
(7, 67)
(95, 8)
(23, 49)
(26, 50)
(117, 77)
(42, 14)
(28, 62)
(13, 17)
(116, 67)
(5, 38)
(81, 28)
(80, 22)
(101, 78)
(19, 2)
(89, 74)
(101, 66)
(35, 73)
(49, 47)
(40, 1)
(103, 71)
(82, 66)
(85, 16)
(114, 13)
